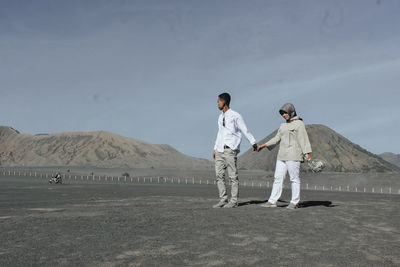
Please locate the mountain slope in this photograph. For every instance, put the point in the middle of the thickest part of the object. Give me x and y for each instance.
(391, 157)
(100, 149)
(340, 154)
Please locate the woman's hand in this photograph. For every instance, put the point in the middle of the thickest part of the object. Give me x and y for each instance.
(259, 148)
(308, 157)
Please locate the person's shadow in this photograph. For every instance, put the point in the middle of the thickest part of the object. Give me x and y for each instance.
(302, 204)
(251, 202)
(313, 203)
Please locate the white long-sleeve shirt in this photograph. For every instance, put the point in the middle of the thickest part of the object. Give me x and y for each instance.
(231, 134)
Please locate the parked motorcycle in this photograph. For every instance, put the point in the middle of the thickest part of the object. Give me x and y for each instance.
(56, 179)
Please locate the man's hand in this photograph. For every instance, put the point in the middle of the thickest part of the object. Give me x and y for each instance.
(214, 154)
(308, 157)
(261, 147)
(255, 147)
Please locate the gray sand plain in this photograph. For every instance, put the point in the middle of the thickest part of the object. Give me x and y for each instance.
(98, 224)
(389, 181)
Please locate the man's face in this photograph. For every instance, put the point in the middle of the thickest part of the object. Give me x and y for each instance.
(221, 104)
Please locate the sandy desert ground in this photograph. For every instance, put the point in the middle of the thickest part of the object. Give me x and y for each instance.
(131, 224)
(387, 182)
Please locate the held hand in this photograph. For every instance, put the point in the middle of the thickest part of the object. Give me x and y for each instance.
(259, 148)
(255, 147)
(308, 157)
(214, 154)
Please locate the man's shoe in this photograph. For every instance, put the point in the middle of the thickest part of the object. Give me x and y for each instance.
(220, 204)
(268, 205)
(231, 205)
(292, 206)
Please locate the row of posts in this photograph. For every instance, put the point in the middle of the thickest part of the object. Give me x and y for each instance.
(191, 181)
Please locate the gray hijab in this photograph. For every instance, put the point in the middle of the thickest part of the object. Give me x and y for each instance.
(289, 108)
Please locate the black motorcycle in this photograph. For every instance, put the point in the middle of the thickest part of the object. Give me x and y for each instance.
(57, 179)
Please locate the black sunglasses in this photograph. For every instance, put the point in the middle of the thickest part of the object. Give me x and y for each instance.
(223, 122)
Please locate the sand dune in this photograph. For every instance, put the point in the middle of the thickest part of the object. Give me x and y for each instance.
(391, 157)
(340, 154)
(108, 150)
(99, 149)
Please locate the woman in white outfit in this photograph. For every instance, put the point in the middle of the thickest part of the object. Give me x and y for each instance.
(294, 145)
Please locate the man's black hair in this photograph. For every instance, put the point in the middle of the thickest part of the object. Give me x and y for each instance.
(226, 98)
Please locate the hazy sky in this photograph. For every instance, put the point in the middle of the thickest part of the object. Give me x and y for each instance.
(152, 70)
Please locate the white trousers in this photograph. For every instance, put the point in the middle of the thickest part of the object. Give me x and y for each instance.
(282, 167)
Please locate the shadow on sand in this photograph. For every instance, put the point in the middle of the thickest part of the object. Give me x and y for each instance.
(302, 204)
(311, 203)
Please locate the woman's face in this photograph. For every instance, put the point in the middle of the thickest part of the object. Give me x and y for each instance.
(286, 116)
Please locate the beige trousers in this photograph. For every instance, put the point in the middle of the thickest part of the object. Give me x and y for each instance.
(227, 160)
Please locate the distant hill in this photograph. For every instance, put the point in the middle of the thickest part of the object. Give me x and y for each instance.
(391, 157)
(340, 154)
(99, 149)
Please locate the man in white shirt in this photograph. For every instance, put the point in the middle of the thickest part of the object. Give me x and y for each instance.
(231, 126)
